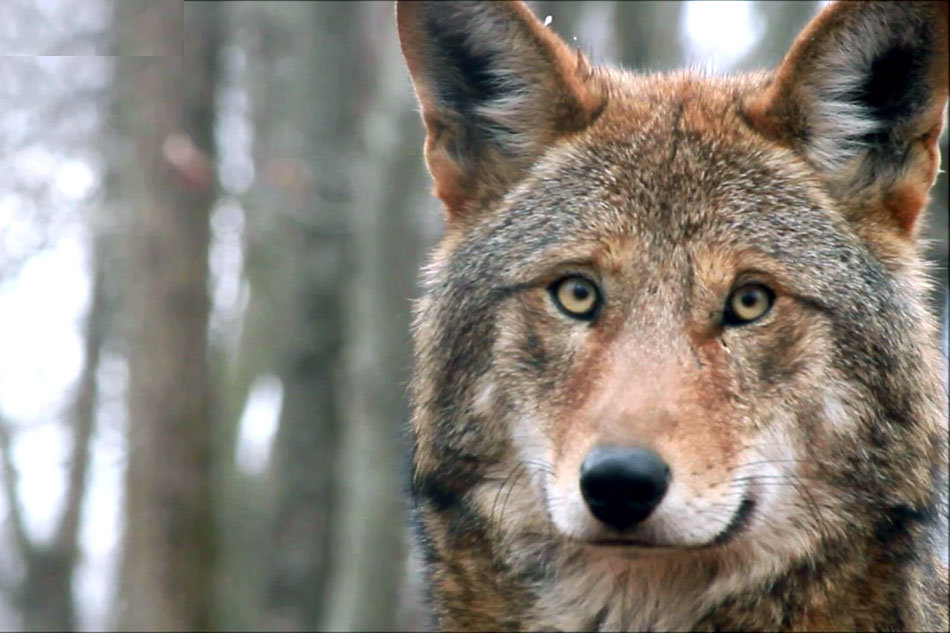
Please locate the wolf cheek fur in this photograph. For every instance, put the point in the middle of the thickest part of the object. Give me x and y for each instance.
(737, 419)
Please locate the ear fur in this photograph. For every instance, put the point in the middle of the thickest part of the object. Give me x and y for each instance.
(861, 96)
(496, 88)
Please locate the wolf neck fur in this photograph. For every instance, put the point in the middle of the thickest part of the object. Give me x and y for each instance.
(753, 586)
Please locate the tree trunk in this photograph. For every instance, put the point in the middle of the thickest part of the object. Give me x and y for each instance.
(306, 100)
(169, 553)
(370, 528)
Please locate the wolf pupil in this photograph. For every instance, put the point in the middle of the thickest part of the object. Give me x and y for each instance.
(580, 292)
(750, 298)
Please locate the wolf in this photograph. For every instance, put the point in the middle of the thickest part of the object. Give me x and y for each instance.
(673, 364)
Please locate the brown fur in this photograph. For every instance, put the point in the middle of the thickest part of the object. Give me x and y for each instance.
(807, 449)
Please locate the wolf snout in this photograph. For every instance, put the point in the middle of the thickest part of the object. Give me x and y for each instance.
(622, 486)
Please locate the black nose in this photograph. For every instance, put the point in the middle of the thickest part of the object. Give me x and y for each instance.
(622, 486)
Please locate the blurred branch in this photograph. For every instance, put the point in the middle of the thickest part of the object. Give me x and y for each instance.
(10, 478)
(84, 415)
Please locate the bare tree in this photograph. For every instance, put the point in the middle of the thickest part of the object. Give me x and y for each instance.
(168, 103)
(305, 109)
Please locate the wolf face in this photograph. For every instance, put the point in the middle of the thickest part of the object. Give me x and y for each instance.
(673, 366)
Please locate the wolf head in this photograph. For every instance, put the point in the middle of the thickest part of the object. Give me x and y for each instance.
(677, 313)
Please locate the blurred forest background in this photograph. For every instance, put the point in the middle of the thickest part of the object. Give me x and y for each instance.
(212, 215)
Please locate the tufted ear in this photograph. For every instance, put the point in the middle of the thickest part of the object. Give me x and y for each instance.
(496, 88)
(861, 96)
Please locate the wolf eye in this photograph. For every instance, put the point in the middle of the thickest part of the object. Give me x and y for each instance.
(576, 297)
(748, 303)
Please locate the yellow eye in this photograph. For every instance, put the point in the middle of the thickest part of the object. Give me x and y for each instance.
(748, 303)
(576, 297)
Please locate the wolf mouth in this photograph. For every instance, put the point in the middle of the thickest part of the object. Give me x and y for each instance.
(625, 542)
(740, 520)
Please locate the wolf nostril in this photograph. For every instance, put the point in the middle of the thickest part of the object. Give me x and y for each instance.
(622, 486)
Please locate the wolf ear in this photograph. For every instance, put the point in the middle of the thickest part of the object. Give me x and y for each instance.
(496, 88)
(861, 96)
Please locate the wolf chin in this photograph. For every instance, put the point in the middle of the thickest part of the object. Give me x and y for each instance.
(674, 369)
